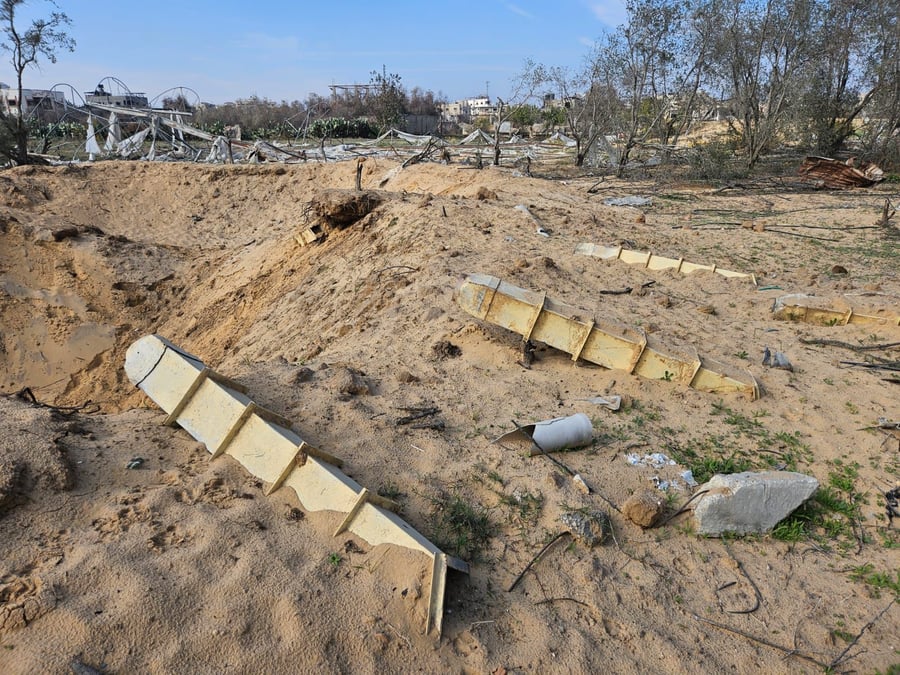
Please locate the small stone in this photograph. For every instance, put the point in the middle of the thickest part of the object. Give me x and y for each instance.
(303, 374)
(591, 527)
(644, 508)
(351, 383)
(406, 377)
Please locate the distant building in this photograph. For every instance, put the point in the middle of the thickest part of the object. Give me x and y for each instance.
(129, 100)
(465, 110)
(33, 100)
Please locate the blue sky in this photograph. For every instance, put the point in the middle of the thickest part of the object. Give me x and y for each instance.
(228, 49)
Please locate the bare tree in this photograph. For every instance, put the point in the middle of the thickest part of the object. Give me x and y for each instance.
(43, 38)
(585, 104)
(636, 62)
(523, 88)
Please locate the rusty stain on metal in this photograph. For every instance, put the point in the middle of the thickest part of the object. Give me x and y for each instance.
(536, 317)
(651, 261)
(809, 309)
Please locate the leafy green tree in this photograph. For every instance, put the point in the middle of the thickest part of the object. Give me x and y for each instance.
(43, 38)
(761, 52)
(850, 74)
(525, 116)
(389, 101)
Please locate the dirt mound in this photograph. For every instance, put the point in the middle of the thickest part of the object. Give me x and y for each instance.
(33, 455)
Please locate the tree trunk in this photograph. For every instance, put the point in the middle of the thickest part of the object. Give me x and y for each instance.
(21, 128)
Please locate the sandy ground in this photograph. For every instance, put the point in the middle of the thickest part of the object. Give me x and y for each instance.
(184, 565)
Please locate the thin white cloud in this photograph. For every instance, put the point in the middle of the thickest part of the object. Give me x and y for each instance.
(515, 9)
(610, 12)
(586, 41)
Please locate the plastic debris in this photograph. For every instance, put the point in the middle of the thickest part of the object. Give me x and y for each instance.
(560, 433)
(611, 402)
(135, 463)
(656, 460)
(631, 200)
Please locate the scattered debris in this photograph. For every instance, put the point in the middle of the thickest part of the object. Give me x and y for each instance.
(528, 356)
(688, 477)
(834, 174)
(612, 402)
(444, 349)
(847, 345)
(536, 558)
(654, 262)
(887, 212)
(631, 200)
(776, 360)
(217, 412)
(644, 508)
(589, 527)
(748, 502)
(537, 317)
(892, 505)
(135, 463)
(541, 230)
(522, 434)
(416, 414)
(560, 433)
(810, 309)
(655, 460)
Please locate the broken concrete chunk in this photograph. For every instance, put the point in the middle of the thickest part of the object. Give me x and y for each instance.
(748, 502)
(591, 528)
(644, 508)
